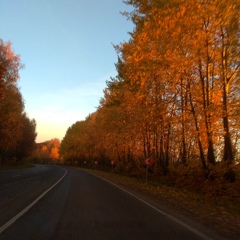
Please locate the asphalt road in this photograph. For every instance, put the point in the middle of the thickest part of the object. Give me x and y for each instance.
(81, 206)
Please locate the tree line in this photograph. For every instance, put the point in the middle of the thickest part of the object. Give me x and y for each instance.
(17, 131)
(47, 152)
(176, 96)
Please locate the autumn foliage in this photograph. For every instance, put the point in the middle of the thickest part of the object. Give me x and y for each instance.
(175, 98)
(17, 131)
(47, 152)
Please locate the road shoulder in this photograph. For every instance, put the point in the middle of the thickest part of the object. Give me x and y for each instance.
(221, 217)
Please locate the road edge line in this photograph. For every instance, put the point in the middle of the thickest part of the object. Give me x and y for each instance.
(198, 233)
(21, 213)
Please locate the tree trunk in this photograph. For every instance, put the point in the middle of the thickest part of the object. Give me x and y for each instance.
(206, 105)
(203, 161)
(228, 153)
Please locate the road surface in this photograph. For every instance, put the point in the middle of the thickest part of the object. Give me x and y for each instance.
(74, 204)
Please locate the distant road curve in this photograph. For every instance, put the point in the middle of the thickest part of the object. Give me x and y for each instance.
(83, 206)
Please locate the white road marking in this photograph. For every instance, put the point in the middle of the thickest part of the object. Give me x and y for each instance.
(16, 176)
(191, 229)
(11, 221)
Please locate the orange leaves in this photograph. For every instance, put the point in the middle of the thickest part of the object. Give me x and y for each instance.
(166, 101)
(47, 151)
(17, 133)
(9, 64)
(54, 153)
(177, 41)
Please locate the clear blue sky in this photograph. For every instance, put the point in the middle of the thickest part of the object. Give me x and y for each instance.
(66, 47)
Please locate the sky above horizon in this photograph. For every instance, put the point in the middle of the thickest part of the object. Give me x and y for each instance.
(66, 47)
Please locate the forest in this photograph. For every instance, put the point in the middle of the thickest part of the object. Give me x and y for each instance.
(17, 130)
(47, 152)
(172, 110)
(174, 100)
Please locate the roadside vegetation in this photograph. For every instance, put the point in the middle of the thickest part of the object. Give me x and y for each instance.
(174, 101)
(17, 131)
(171, 115)
(168, 125)
(47, 152)
(169, 119)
